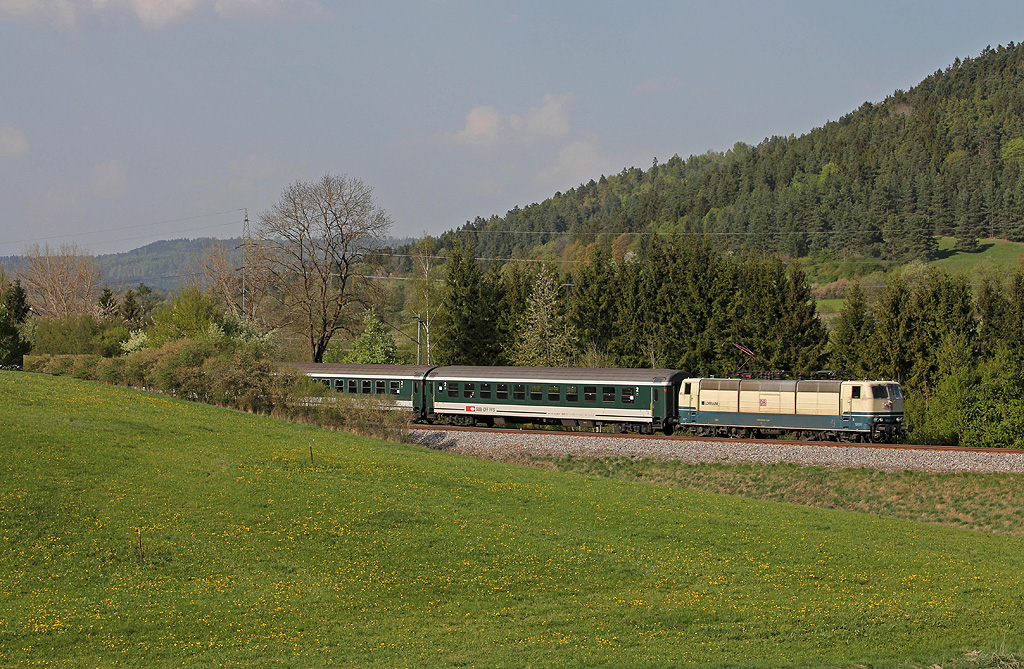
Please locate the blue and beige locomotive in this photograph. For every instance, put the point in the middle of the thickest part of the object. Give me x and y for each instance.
(629, 400)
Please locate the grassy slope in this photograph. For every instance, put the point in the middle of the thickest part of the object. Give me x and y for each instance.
(384, 555)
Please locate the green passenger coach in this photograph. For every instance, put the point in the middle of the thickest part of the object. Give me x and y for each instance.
(403, 383)
(636, 400)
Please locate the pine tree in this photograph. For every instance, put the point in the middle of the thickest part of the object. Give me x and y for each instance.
(464, 330)
(849, 345)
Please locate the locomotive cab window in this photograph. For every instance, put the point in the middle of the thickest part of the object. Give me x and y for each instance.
(469, 390)
(879, 392)
(367, 387)
(554, 393)
(572, 393)
(518, 391)
(502, 391)
(380, 387)
(485, 391)
(453, 389)
(686, 388)
(895, 393)
(589, 393)
(856, 392)
(608, 394)
(353, 386)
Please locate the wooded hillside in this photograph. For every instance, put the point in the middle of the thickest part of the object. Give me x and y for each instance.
(945, 157)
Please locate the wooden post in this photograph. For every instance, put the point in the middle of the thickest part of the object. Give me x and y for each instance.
(311, 454)
(140, 543)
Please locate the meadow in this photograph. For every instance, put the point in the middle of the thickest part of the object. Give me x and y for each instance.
(139, 530)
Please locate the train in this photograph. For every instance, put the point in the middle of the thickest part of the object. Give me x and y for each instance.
(643, 401)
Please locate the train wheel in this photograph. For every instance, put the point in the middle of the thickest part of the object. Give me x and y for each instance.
(667, 430)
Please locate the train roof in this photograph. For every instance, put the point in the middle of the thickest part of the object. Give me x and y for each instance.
(332, 369)
(557, 374)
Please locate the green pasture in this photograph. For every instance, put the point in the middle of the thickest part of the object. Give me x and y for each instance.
(997, 252)
(383, 555)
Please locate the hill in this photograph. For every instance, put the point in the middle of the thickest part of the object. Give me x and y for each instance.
(944, 158)
(142, 530)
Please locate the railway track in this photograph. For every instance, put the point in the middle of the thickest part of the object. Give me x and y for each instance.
(715, 440)
(514, 445)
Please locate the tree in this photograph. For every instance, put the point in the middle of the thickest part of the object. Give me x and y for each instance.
(12, 347)
(61, 282)
(545, 336)
(316, 236)
(375, 345)
(16, 301)
(851, 340)
(189, 316)
(465, 324)
(424, 267)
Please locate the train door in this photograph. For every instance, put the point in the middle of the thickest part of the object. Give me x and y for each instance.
(846, 401)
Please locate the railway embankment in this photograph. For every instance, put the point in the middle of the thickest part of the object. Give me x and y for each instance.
(514, 446)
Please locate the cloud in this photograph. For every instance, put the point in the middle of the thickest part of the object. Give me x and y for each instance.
(12, 142)
(658, 86)
(109, 181)
(153, 14)
(577, 162)
(488, 128)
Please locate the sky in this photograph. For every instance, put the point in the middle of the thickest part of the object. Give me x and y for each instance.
(123, 122)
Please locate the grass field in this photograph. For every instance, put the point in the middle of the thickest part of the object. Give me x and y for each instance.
(376, 554)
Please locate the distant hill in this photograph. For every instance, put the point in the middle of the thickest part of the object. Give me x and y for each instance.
(164, 265)
(944, 158)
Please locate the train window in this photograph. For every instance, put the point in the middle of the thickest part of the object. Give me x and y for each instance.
(686, 388)
(469, 390)
(381, 387)
(608, 394)
(485, 391)
(326, 382)
(536, 392)
(518, 391)
(879, 392)
(367, 387)
(353, 386)
(895, 392)
(856, 392)
(572, 393)
(554, 393)
(453, 389)
(396, 387)
(628, 395)
(589, 393)
(502, 391)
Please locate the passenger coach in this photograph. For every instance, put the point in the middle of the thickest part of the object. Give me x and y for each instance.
(403, 383)
(636, 400)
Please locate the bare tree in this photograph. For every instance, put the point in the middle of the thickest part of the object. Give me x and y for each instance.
(424, 261)
(61, 282)
(316, 236)
(242, 290)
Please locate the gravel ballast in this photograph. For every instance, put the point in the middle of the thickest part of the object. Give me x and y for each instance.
(516, 446)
